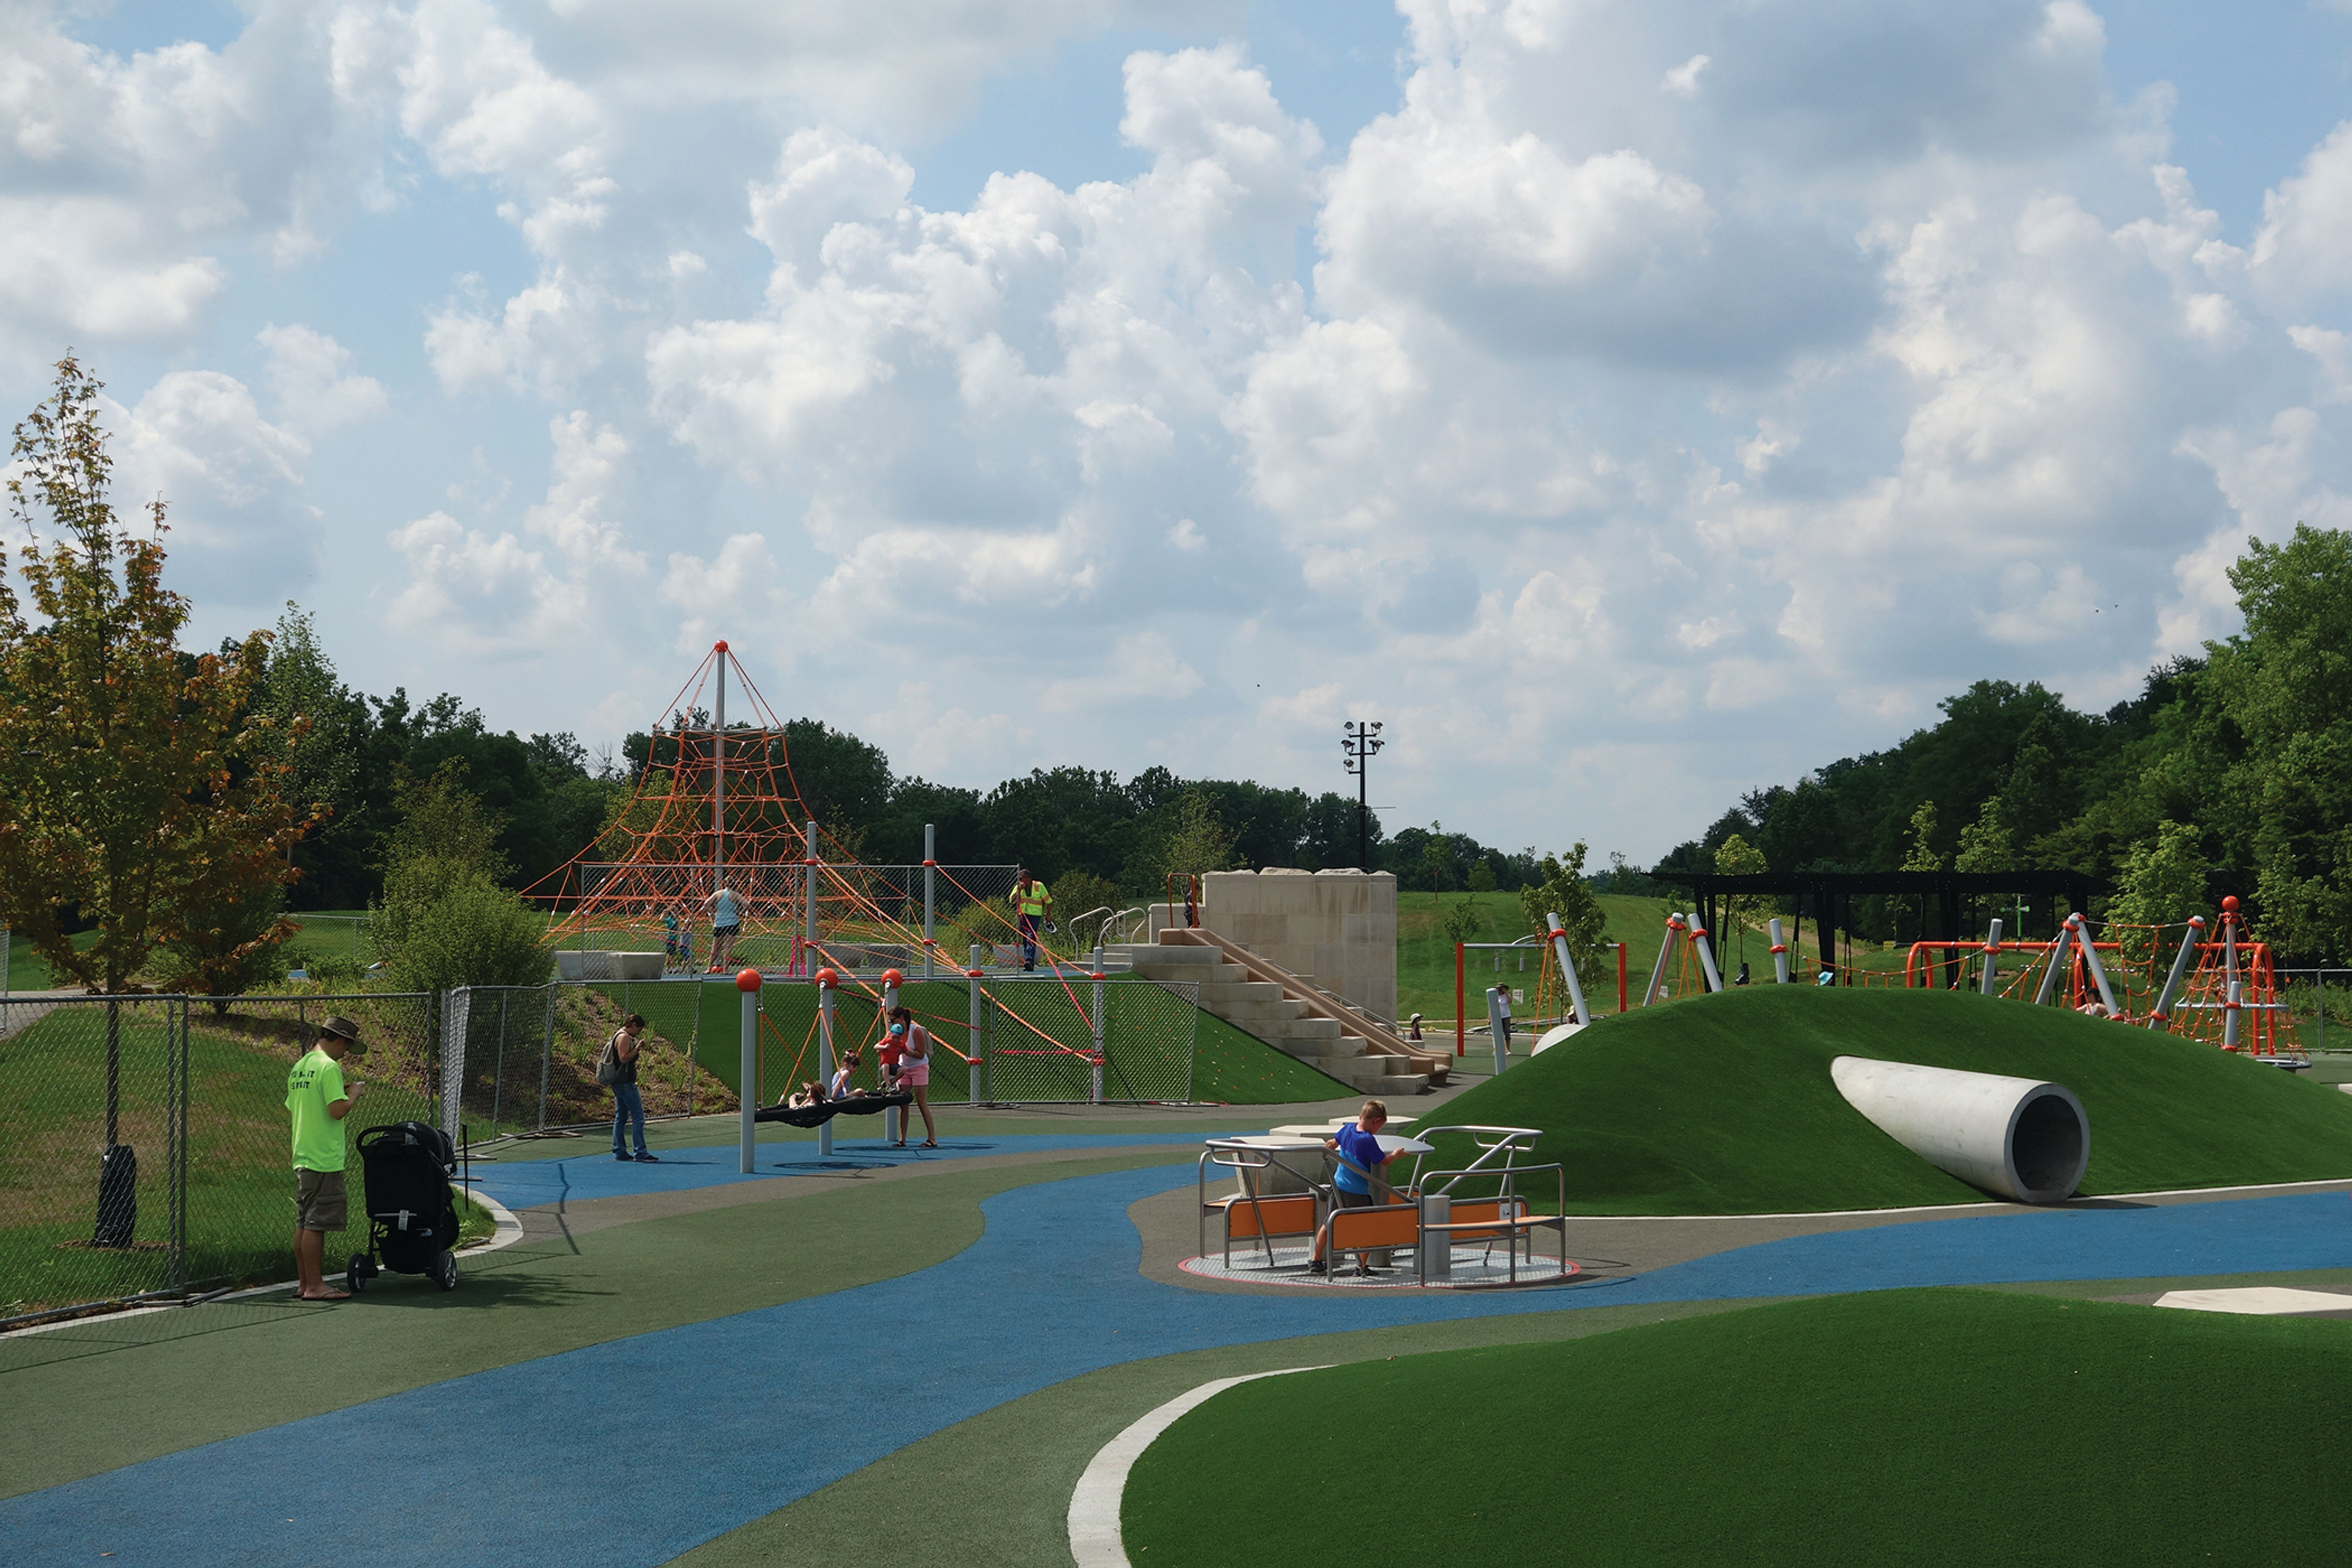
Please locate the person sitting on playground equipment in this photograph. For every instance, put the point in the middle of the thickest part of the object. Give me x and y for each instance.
(839, 1088)
(810, 1092)
(1361, 1159)
(886, 1056)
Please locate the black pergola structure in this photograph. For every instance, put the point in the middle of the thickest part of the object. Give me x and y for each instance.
(1944, 898)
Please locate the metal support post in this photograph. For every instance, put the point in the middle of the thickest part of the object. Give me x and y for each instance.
(747, 983)
(1989, 983)
(826, 980)
(1097, 1063)
(1705, 958)
(930, 898)
(1494, 1026)
(718, 780)
(1780, 952)
(2191, 940)
(808, 890)
(2098, 970)
(975, 1055)
(1567, 968)
(2049, 986)
(1665, 950)
(891, 1118)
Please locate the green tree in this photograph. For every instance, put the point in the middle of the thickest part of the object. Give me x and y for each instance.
(138, 784)
(1562, 889)
(444, 920)
(1462, 923)
(2163, 883)
(1737, 858)
(1437, 853)
(1985, 844)
(1482, 877)
(1190, 838)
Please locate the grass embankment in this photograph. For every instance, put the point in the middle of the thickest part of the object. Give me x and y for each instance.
(1905, 1426)
(240, 1187)
(1425, 953)
(1723, 1104)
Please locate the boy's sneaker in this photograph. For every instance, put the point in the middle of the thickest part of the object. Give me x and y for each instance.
(649, 1159)
(619, 1155)
(1318, 1266)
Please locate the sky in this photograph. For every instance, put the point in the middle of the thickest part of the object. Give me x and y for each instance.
(1627, 404)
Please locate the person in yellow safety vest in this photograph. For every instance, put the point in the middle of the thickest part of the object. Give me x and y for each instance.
(1033, 906)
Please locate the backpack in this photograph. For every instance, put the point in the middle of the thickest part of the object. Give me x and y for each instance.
(608, 1062)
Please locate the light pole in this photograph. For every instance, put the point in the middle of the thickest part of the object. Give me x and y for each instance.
(1358, 742)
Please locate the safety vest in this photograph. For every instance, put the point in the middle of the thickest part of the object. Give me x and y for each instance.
(1033, 901)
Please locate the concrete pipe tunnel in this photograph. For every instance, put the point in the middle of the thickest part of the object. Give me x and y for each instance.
(2016, 1137)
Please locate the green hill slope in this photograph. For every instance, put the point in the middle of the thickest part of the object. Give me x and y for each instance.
(1723, 1104)
(1917, 1426)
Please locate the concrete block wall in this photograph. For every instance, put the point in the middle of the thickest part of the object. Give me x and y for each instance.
(1337, 926)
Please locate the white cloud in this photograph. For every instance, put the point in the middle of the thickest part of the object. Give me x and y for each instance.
(307, 377)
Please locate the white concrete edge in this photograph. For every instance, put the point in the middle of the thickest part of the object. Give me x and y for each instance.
(507, 1231)
(1095, 1539)
(1984, 1207)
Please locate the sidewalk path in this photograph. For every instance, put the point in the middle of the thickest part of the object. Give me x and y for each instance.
(727, 1420)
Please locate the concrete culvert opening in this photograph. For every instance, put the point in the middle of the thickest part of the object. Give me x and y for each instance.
(2016, 1137)
(2048, 1145)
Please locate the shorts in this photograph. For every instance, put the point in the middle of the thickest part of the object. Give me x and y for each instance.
(318, 1203)
(914, 1075)
(725, 930)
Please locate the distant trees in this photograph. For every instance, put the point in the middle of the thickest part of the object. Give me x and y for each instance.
(2237, 762)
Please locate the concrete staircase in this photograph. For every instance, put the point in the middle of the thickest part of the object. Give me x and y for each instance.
(1261, 1009)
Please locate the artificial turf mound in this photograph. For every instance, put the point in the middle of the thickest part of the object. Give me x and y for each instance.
(1917, 1426)
(1723, 1104)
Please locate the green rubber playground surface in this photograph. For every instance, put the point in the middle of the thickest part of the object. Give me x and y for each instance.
(1723, 1104)
(1918, 1426)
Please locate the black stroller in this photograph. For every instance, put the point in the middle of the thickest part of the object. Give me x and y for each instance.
(411, 1217)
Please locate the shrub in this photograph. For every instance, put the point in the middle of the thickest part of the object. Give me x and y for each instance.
(460, 929)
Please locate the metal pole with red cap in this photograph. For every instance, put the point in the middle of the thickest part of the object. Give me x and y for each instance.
(747, 983)
(891, 982)
(825, 981)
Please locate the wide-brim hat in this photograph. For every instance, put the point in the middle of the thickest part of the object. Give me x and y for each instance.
(344, 1029)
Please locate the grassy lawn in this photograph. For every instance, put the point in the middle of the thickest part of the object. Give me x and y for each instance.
(240, 1185)
(1425, 953)
(1917, 1426)
(1723, 1104)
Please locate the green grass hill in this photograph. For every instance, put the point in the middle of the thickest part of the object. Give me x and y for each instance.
(1723, 1104)
(1915, 1427)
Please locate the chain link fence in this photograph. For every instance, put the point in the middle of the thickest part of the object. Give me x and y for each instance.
(148, 1150)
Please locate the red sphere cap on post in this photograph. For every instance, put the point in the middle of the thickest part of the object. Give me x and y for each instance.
(2230, 903)
(827, 978)
(748, 980)
(719, 646)
(892, 977)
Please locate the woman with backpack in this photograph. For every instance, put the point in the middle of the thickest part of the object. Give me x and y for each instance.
(616, 1069)
(914, 1043)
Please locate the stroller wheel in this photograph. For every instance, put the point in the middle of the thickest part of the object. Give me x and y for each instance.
(445, 1270)
(361, 1270)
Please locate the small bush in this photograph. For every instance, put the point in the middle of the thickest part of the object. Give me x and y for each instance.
(470, 933)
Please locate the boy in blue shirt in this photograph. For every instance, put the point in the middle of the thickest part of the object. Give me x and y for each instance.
(1361, 1159)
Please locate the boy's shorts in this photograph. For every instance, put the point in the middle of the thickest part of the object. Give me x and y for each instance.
(318, 1203)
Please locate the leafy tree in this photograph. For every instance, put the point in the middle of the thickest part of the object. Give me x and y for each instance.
(1737, 858)
(1437, 855)
(1462, 923)
(1191, 838)
(1985, 844)
(2163, 883)
(444, 920)
(1562, 890)
(1482, 877)
(138, 784)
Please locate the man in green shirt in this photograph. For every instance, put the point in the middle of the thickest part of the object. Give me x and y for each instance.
(316, 1097)
(1034, 905)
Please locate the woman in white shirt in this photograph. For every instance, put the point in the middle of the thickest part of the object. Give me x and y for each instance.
(915, 1069)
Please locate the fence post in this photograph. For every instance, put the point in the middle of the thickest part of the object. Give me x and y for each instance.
(826, 980)
(546, 1053)
(455, 1007)
(1098, 1073)
(979, 1078)
(931, 887)
(747, 983)
(175, 1159)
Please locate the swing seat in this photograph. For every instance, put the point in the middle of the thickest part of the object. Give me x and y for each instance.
(817, 1115)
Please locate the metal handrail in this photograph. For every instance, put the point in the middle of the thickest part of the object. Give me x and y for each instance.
(1507, 1142)
(1517, 1224)
(1234, 1156)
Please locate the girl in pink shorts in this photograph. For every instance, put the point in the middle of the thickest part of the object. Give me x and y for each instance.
(915, 1043)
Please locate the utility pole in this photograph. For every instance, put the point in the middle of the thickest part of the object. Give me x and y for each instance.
(1359, 741)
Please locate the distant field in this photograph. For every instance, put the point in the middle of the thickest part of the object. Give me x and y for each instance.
(1425, 953)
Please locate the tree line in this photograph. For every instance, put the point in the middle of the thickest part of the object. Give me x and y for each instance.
(2229, 773)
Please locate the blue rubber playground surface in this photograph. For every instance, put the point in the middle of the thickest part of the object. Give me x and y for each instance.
(1051, 1287)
